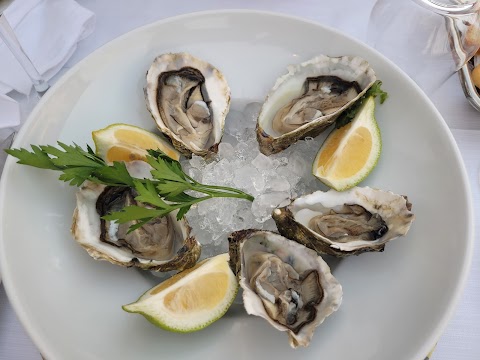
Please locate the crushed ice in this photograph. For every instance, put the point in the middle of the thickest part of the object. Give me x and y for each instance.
(272, 180)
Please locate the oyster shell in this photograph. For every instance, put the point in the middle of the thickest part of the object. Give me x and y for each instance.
(163, 244)
(284, 282)
(345, 223)
(189, 99)
(309, 98)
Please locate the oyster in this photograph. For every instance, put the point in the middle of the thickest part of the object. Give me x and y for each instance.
(345, 223)
(163, 244)
(284, 282)
(309, 98)
(189, 99)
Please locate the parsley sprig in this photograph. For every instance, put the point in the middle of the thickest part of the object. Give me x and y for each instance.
(348, 115)
(164, 193)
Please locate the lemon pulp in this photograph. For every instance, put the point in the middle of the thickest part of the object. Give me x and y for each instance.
(350, 153)
(123, 142)
(192, 299)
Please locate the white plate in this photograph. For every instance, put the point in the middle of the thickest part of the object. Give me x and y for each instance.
(396, 303)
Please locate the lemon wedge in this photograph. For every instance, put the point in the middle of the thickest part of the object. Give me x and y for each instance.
(123, 142)
(192, 299)
(351, 152)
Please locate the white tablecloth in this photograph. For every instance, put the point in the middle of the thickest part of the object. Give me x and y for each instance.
(461, 340)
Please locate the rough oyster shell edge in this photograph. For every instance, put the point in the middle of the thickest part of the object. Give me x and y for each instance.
(221, 98)
(270, 144)
(333, 292)
(185, 257)
(289, 227)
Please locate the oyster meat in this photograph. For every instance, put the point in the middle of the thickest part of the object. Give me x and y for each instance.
(345, 223)
(163, 244)
(309, 98)
(189, 99)
(284, 282)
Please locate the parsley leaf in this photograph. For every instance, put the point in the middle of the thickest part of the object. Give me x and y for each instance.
(134, 212)
(75, 176)
(71, 156)
(376, 90)
(114, 175)
(37, 158)
(183, 211)
(348, 115)
(170, 190)
(148, 194)
(164, 193)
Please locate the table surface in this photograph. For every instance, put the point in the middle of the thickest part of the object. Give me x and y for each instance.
(461, 340)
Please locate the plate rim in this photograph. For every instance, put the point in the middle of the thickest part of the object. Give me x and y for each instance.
(433, 338)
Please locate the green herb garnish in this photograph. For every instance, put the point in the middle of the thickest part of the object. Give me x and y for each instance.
(348, 115)
(164, 193)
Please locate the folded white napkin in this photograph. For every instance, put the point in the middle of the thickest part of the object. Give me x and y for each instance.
(48, 31)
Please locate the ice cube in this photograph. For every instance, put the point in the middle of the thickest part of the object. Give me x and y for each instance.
(234, 123)
(251, 112)
(262, 162)
(281, 161)
(241, 149)
(263, 204)
(203, 208)
(247, 134)
(258, 181)
(226, 151)
(244, 218)
(249, 179)
(269, 225)
(225, 209)
(208, 178)
(195, 174)
(277, 184)
(223, 172)
(230, 139)
(197, 162)
(298, 165)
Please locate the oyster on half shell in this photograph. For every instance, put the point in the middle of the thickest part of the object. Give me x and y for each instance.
(284, 282)
(163, 244)
(345, 223)
(309, 98)
(189, 99)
